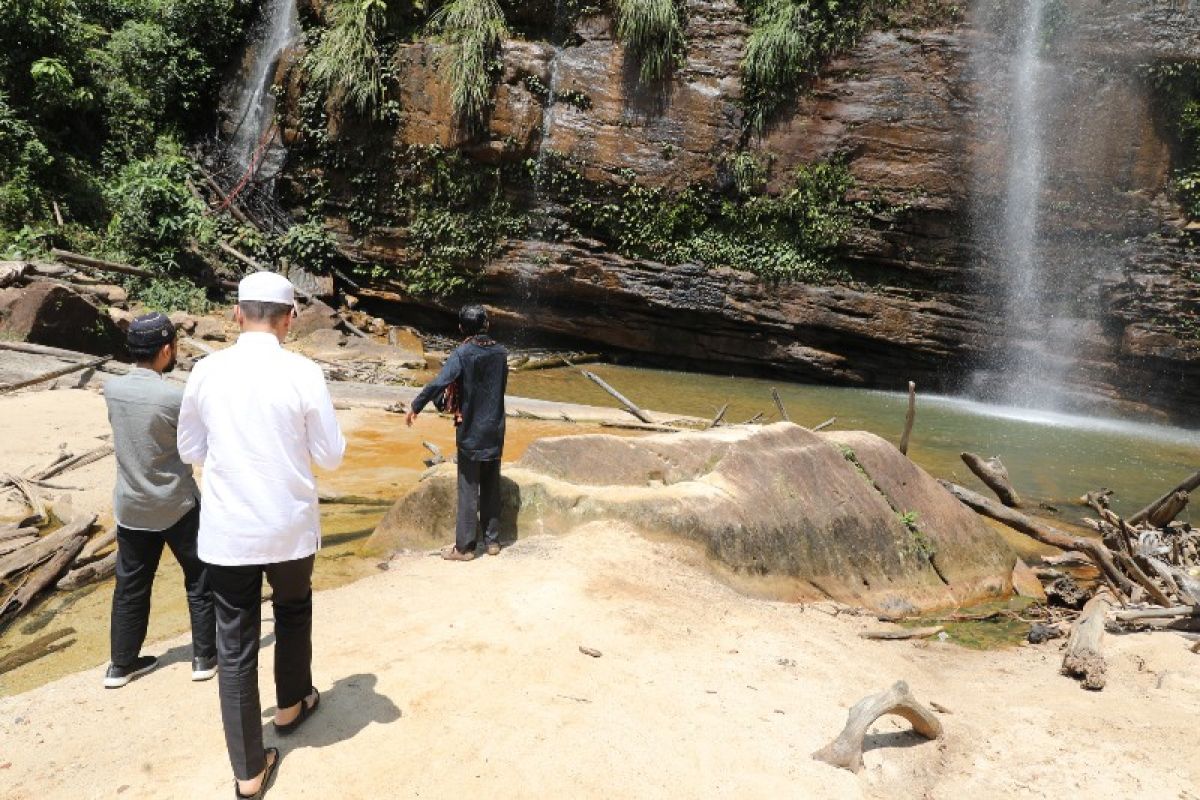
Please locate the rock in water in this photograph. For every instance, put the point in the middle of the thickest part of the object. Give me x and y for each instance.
(843, 515)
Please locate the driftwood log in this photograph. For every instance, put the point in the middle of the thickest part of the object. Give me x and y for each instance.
(720, 416)
(45, 547)
(1100, 555)
(1163, 513)
(99, 263)
(783, 415)
(994, 475)
(824, 424)
(846, 750)
(81, 460)
(38, 648)
(15, 543)
(45, 570)
(909, 417)
(904, 633)
(625, 402)
(89, 573)
(1187, 487)
(1084, 658)
(55, 373)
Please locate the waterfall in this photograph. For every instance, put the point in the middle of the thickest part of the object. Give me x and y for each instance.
(1022, 200)
(1018, 169)
(253, 142)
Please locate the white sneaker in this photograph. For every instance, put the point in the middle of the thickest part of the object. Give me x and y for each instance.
(203, 668)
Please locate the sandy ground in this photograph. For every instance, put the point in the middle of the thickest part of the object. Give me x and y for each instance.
(461, 680)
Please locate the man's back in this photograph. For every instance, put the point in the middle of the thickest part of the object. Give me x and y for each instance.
(256, 415)
(484, 365)
(154, 488)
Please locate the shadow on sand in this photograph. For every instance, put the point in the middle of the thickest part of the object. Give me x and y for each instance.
(347, 708)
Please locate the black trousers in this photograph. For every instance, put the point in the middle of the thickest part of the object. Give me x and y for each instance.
(237, 592)
(478, 502)
(138, 554)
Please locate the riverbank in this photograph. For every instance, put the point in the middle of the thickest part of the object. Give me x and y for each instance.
(384, 459)
(451, 680)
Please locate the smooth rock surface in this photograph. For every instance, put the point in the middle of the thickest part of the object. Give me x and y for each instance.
(777, 502)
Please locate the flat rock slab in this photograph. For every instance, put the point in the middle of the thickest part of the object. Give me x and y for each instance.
(775, 501)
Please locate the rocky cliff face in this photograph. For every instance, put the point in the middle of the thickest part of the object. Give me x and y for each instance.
(906, 110)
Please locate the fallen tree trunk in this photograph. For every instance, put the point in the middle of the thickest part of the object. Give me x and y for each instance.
(42, 577)
(46, 547)
(89, 573)
(12, 544)
(906, 633)
(625, 402)
(719, 417)
(81, 460)
(1084, 658)
(57, 373)
(1174, 612)
(1187, 487)
(909, 417)
(38, 648)
(846, 750)
(99, 263)
(779, 405)
(995, 476)
(1100, 555)
(1164, 513)
(95, 545)
(14, 532)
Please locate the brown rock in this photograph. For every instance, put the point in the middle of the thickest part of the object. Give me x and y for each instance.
(211, 330)
(183, 322)
(1025, 582)
(778, 501)
(121, 318)
(50, 314)
(314, 316)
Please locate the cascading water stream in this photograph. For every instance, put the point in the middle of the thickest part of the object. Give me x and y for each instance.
(1019, 174)
(1029, 364)
(253, 143)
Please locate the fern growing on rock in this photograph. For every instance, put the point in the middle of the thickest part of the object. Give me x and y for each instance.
(652, 32)
(345, 60)
(789, 40)
(475, 29)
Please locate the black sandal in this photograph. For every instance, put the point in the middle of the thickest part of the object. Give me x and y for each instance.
(268, 774)
(306, 711)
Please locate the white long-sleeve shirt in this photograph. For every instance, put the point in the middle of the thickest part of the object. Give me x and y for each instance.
(257, 416)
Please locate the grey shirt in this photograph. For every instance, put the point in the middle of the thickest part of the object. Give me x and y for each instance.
(154, 487)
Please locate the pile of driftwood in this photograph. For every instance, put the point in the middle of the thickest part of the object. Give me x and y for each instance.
(80, 273)
(1148, 565)
(34, 558)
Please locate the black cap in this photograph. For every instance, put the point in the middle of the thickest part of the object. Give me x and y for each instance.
(150, 331)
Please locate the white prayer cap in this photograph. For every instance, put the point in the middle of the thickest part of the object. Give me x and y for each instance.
(267, 287)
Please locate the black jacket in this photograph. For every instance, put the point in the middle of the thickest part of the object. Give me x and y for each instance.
(482, 364)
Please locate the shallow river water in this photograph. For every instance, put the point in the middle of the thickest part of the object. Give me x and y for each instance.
(1051, 458)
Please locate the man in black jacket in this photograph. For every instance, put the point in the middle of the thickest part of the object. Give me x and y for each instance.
(476, 376)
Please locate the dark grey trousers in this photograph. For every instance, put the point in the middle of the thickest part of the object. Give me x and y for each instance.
(237, 592)
(138, 554)
(478, 502)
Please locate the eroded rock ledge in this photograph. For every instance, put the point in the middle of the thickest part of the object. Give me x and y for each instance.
(841, 515)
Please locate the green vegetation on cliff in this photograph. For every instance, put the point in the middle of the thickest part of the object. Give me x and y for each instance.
(1178, 86)
(789, 41)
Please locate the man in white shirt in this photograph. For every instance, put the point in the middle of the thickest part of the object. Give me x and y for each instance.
(257, 416)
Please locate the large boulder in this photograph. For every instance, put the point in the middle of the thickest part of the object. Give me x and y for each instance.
(54, 315)
(844, 516)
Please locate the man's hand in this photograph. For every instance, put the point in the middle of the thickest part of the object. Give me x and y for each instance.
(410, 418)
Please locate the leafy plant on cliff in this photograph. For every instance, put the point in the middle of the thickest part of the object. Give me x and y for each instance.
(787, 237)
(652, 32)
(1178, 89)
(474, 29)
(789, 40)
(345, 61)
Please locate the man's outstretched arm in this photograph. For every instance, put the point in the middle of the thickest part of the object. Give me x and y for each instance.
(449, 374)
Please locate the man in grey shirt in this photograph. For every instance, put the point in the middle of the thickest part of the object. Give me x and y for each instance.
(156, 503)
